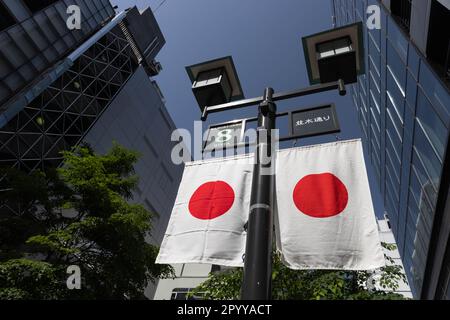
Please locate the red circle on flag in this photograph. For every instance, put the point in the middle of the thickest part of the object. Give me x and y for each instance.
(211, 200)
(320, 195)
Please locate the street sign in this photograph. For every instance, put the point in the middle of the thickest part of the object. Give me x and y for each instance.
(313, 121)
(308, 122)
(224, 136)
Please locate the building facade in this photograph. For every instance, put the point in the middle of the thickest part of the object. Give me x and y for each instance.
(403, 105)
(187, 277)
(62, 87)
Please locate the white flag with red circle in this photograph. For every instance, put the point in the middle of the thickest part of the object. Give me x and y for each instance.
(210, 212)
(325, 217)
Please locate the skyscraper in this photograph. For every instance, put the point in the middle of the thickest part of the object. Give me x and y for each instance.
(403, 104)
(60, 87)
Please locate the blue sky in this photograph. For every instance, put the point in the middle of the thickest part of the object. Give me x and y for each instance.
(264, 38)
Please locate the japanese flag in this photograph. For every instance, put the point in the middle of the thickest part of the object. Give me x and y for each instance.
(324, 209)
(210, 211)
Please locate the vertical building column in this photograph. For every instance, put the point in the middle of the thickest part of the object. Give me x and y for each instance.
(387, 3)
(420, 21)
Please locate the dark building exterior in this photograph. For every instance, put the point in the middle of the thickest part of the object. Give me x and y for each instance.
(403, 104)
(53, 92)
(61, 87)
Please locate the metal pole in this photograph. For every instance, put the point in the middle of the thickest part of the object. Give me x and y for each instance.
(275, 97)
(258, 254)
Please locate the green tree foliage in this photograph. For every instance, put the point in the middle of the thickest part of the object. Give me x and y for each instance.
(290, 284)
(29, 279)
(76, 215)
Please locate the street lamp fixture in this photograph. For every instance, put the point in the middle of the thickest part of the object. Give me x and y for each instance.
(334, 58)
(215, 82)
(335, 54)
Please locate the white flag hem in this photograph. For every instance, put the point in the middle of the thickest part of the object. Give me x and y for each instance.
(205, 260)
(322, 145)
(218, 160)
(322, 267)
(205, 232)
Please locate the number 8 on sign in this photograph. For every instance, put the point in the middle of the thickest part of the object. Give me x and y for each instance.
(224, 136)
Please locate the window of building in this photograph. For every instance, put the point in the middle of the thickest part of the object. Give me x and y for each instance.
(343, 15)
(391, 177)
(424, 180)
(36, 6)
(411, 91)
(6, 19)
(432, 124)
(150, 146)
(395, 102)
(374, 120)
(375, 101)
(397, 68)
(413, 251)
(374, 83)
(374, 42)
(363, 117)
(364, 125)
(376, 149)
(375, 65)
(390, 143)
(167, 173)
(184, 294)
(360, 10)
(155, 214)
(397, 39)
(394, 124)
(391, 204)
(375, 36)
(401, 10)
(393, 169)
(438, 47)
(336, 10)
(428, 159)
(363, 102)
(414, 61)
(376, 164)
(355, 101)
(362, 81)
(414, 189)
(158, 90)
(426, 220)
(435, 92)
(165, 119)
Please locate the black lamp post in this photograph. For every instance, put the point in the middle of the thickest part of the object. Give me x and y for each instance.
(334, 58)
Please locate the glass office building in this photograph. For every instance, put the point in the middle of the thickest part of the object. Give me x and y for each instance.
(55, 83)
(60, 88)
(403, 105)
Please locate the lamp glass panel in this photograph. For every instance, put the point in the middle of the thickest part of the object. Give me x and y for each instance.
(343, 50)
(212, 76)
(326, 54)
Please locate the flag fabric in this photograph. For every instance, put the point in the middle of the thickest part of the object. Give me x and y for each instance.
(210, 211)
(325, 217)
